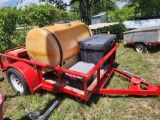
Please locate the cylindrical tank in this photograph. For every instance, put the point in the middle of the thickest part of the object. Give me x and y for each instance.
(53, 44)
(1, 104)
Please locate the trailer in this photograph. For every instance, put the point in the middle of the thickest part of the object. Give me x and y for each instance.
(142, 38)
(27, 75)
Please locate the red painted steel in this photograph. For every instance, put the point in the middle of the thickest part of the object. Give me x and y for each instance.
(16, 48)
(31, 70)
(149, 43)
(3, 64)
(152, 43)
(129, 43)
(29, 74)
(137, 87)
(109, 54)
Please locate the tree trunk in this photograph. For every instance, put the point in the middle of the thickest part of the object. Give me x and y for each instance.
(82, 11)
(88, 4)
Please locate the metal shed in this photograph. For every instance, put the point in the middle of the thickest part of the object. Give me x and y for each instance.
(101, 17)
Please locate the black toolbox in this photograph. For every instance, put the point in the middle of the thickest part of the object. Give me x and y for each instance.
(77, 81)
(94, 48)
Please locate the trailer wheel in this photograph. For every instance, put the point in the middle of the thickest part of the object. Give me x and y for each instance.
(140, 48)
(17, 81)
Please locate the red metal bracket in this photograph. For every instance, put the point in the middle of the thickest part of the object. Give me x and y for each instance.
(136, 87)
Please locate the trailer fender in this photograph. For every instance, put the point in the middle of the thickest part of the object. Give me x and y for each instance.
(29, 73)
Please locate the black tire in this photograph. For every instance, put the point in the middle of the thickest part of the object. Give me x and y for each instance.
(17, 81)
(125, 46)
(140, 48)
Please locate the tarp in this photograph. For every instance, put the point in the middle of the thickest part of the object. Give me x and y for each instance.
(141, 23)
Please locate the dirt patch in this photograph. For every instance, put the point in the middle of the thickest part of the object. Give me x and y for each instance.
(153, 59)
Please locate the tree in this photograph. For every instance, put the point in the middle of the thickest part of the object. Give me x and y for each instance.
(144, 8)
(103, 6)
(33, 15)
(75, 12)
(41, 15)
(96, 6)
(85, 9)
(8, 22)
(120, 15)
(58, 3)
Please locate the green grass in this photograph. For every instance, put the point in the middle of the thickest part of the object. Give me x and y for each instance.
(100, 107)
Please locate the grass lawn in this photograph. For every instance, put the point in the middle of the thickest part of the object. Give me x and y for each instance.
(99, 107)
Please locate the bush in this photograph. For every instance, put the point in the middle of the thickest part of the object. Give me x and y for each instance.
(33, 15)
(8, 21)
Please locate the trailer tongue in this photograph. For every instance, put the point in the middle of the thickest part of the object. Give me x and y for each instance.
(34, 116)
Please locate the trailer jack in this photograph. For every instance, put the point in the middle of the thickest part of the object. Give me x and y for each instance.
(34, 116)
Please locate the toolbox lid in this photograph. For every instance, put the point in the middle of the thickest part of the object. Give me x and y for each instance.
(82, 67)
(97, 42)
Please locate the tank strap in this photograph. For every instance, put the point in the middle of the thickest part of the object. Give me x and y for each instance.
(88, 30)
(59, 45)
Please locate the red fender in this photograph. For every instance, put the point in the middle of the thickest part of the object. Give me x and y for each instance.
(29, 73)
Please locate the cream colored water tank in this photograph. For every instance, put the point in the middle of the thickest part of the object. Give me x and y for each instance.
(54, 44)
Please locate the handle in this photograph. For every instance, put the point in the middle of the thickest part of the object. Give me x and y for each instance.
(42, 117)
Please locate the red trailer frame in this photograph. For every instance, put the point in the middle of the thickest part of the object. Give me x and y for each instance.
(32, 72)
